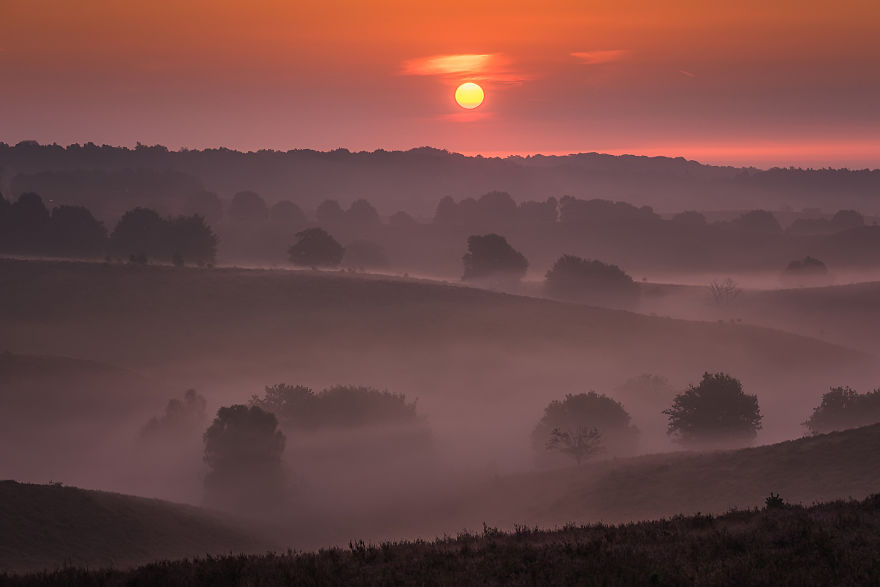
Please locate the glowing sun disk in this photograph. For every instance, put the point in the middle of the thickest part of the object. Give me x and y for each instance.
(469, 95)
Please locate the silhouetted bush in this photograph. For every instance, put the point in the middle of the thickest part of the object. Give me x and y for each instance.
(716, 412)
(74, 232)
(491, 256)
(243, 449)
(574, 278)
(141, 231)
(578, 414)
(843, 408)
(192, 240)
(316, 248)
(808, 265)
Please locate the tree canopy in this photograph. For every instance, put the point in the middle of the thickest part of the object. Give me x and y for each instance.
(574, 278)
(843, 408)
(491, 255)
(583, 412)
(717, 411)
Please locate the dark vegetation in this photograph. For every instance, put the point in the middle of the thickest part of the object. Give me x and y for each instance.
(243, 449)
(830, 543)
(491, 256)
(567, 424)
(575, 279)
(314, 247)
(715, 412)
(257, 202)
(843, 408)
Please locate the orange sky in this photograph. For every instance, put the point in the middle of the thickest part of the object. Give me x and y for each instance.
(746, 82)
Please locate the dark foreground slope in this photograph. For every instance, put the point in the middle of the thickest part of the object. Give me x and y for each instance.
(49, 526)
(829, 544)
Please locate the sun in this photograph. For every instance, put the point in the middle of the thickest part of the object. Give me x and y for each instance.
(469, 95)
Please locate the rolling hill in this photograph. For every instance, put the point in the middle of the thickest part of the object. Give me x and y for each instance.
(49, 526)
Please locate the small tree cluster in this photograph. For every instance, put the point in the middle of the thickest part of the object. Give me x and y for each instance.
(142, 233)
(843, 408)
(315, 247)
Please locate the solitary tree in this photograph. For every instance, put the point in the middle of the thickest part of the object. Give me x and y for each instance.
(243, 449)
(843, 408)
(316, 248)
(490, 255)
(248, 206)
(575, 278)
(586, 411)
(724, 292)
(716, 412)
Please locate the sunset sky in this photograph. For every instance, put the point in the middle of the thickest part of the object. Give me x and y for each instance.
(763, 83)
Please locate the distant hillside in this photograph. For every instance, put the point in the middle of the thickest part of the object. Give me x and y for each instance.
(237, 330)
(46, 527)
(416, 180)
(832, 466)
(828, 544)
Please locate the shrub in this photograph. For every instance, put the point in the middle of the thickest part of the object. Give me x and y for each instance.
(584, 412)
(843, 408)
(490, 256)
(717, 411)
(574, 278)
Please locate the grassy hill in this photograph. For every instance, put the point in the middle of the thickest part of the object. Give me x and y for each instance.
(838, 465)
(829, 544)
(465, 353)
(47, 526)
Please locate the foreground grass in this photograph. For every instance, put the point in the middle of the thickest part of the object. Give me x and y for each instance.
(828, 544)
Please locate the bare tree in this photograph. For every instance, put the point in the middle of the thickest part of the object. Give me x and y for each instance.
(724, 292)
(579, 444)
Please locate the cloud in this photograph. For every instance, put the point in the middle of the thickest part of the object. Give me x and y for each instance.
(474, 66)
(686, 73)
(597, 57)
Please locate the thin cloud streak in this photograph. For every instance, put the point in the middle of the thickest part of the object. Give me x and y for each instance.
(492, 67)
(598, 57)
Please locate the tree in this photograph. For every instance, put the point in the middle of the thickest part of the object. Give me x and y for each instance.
(141, 231)
(74, 232)
(361, 214)
(843, 408)
(574, 278)
(579, 444)
(248, 207)
(192, 240)
(28, 223)
(315, 247)
(583, 412)
(447, 213)
(491, 256)
(716, 412)
(243, 449)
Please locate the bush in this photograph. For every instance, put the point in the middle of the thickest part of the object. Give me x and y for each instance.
(316, 248)
(491, 256)
(577, 414)
(843, 408)
(574, 278)
(717, 412)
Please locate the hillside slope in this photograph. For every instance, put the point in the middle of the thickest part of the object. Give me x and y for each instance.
(47, 526)
(229, 332)
(828, 544)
